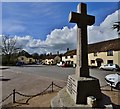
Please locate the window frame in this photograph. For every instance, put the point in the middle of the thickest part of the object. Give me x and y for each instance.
(110, 53)
(95, 54)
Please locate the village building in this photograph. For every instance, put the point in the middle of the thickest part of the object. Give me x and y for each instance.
(70, 57)
(26, 60)
(99, 53)
(51, 59)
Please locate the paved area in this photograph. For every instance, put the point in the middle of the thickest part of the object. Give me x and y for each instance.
(46, 71)
(32, 80)
(60, 73)
(25, 83)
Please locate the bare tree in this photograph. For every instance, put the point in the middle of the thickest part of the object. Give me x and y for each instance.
(9, 47)
(116, 25)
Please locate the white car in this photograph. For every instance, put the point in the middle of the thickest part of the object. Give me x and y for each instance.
(60, 64)
(113, 80)
(113, 67)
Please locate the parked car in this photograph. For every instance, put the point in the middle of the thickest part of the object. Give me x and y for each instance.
(60, 64)
(19, 64)
(74, 65)
(68, 64)
(113, 80)
(113, 67)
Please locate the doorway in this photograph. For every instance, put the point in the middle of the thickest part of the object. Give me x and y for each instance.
(99, 62)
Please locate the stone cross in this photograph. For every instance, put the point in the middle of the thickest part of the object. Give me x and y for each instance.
(82, 20)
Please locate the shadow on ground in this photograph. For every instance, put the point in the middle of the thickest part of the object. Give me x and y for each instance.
(3, 79)
(32, 66)
(116, 106)
(4, 68)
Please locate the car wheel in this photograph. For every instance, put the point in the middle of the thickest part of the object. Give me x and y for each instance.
(114, 70)
(101, 68)
(118, 86)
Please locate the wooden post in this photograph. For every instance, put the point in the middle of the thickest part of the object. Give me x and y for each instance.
(111, 86)
(14, 96)
(52, 86)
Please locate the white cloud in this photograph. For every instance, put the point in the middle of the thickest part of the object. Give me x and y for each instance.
(61, 39)
(104, 31)
(57, 40)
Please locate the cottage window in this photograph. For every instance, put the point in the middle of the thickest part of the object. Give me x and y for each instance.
(65, 57)
(109, 61)
(110, 53)
(30, 60)
(71, 56)
(95, 54)
(22, 58)
(92, 61)
(71, 62)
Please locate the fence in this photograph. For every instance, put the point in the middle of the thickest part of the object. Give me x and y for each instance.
(13, 94)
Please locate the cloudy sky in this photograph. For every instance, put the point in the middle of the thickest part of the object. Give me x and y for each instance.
(43, 27)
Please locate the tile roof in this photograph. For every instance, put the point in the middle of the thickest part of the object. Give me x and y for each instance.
(70, 53)
(50, 57)
(104, 46)
(99, 47)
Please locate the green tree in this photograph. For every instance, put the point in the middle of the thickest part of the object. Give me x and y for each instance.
(9, 48)
(24, 53)
(35, 55)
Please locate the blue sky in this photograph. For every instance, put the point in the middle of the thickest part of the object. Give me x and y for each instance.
(43, 26)
(38, 19)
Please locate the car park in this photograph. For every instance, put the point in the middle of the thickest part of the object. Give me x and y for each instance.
(112, 67)
(113, 80)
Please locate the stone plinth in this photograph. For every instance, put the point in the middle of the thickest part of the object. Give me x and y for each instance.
(64, 101)
(79, 88)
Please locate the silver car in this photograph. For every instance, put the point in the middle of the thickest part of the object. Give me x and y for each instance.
(113, 67)
(113, 80)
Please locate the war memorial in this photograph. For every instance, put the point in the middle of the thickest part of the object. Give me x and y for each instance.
(82, 90)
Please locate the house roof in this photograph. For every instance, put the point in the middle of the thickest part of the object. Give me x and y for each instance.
(99, 47)
(70, 53)
(104, 46)
(50, 57)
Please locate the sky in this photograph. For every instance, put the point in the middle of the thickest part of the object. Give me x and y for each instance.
(43, 27)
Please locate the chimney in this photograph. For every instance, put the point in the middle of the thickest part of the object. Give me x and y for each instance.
(50, 54)
(57, 52)
(67, 49)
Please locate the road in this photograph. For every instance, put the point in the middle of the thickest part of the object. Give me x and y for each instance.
(59, 72)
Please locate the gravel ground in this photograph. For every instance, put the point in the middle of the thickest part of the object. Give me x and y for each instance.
(31, 84)
(44, 100)
(25, 83)
(114, 96)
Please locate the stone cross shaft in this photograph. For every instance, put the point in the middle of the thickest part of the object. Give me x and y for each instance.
(82, 20)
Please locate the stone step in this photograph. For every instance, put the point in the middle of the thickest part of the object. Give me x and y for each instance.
(55, 102)
(63, 99)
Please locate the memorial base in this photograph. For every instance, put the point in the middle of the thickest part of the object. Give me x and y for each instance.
(79, 88)
(79, 91)
(64, 101)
